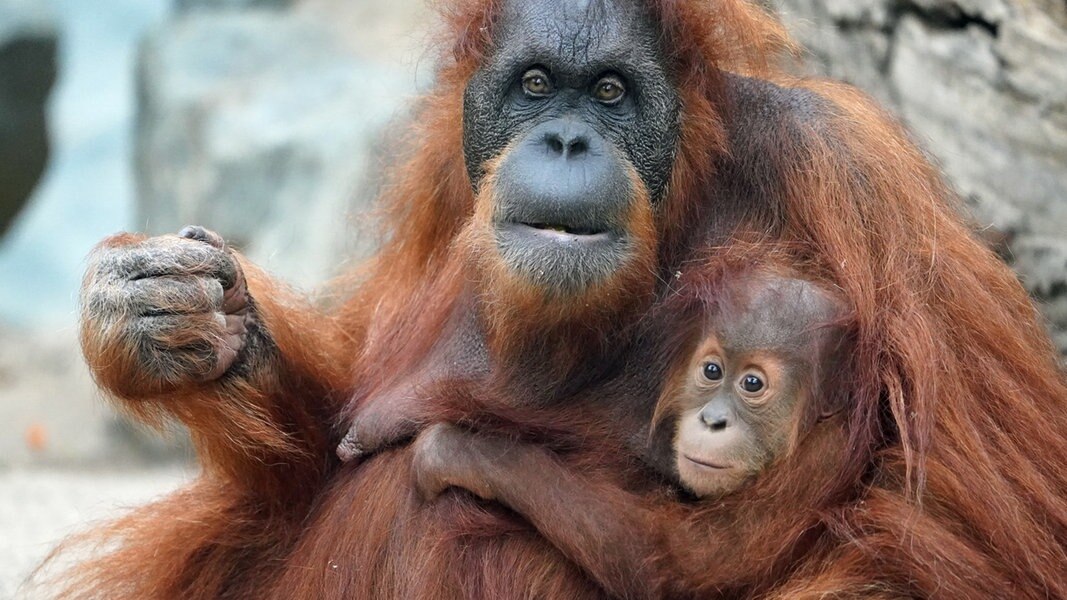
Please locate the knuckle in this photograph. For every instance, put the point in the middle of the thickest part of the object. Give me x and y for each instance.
(174, 331)
(119, 241)
(227, 270)
(423, 454)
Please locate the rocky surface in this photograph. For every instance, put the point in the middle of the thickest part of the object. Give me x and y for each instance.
(983, 85)
(28, 45)
(264, 125)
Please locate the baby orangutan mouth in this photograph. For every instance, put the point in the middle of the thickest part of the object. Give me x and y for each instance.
(706, 464)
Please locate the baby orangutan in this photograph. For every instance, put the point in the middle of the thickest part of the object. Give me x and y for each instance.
(754, 426)
(739, 404)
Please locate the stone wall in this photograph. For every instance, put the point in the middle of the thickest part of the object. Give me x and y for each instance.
(983, 85)
(265, 124)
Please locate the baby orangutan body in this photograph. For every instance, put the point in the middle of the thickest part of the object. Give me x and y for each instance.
(750, 398)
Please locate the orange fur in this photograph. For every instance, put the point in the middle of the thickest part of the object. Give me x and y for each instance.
(953, 462)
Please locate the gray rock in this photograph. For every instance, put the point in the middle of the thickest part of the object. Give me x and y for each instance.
(262, 125)
(28, 40)
(983, 86)
(1042, 263)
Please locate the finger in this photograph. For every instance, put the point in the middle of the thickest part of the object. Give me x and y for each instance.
(206, 236)
(350, 449)
(177, 347)
(165, 256)
(200, 234)
(225, 357)
(428, 486)
(235, 299)
(160, 296)
(121, 240)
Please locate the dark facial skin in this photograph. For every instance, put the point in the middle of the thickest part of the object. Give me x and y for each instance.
(576, 105)
(741, 398)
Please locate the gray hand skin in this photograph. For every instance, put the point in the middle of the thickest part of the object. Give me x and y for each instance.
(163, 313)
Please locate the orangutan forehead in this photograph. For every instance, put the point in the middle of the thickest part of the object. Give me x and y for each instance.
(788, 315)
(576, 31)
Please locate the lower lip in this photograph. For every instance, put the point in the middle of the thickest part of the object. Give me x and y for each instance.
(557, 235)
(705, 465)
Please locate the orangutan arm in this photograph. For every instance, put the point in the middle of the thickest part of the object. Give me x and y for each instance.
(179, 326)
(609, 533)
(633, 546)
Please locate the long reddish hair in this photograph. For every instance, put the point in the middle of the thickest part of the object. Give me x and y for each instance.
(960, 403)
(955, 431)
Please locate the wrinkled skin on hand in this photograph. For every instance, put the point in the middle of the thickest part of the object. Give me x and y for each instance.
(164, 313)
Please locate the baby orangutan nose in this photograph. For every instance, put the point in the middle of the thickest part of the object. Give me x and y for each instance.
(717, 418)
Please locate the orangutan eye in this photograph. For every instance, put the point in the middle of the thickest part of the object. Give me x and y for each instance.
(609, 90)
(712, 371)
(752, 384)
(536, 83)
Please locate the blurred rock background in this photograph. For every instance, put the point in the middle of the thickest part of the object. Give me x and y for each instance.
(28, 40)
(259, 118)
(983, 86)
(266, 120)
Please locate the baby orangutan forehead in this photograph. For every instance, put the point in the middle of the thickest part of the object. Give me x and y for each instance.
(575, 31)
(789, 315)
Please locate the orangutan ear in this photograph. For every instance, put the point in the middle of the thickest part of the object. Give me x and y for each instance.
(832, 372)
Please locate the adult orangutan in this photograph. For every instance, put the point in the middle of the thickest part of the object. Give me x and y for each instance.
(568, 161)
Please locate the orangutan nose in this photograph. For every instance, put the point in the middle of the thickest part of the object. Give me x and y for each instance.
(716, 418)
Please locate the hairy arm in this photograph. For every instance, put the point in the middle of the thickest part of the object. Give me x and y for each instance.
(635, 545)
(611, 534)
(181, 327)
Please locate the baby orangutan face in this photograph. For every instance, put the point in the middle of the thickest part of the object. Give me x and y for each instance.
(741, 399)
(738, 413)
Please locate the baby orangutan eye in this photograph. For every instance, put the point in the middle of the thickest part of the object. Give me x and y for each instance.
(712, 371)
(752, 384)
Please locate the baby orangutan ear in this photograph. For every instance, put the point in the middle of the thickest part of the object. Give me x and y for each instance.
(831, 374)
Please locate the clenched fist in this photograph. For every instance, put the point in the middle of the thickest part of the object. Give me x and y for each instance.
(163, 313)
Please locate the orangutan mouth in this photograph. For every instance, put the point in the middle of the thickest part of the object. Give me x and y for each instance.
(564, 228)
(565, 232)
(705, 464)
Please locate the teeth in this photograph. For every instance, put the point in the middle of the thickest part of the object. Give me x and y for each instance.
(558, 228)
(562, 229)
